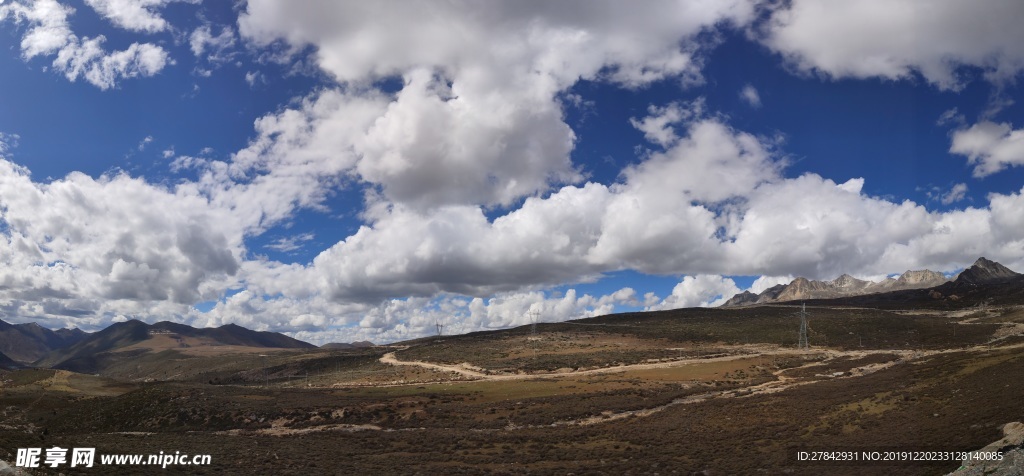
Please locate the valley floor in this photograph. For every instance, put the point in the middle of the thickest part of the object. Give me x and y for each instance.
(693, 392)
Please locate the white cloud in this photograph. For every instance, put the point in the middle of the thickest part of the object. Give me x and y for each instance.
(75, 243)
(561, 41)
(750, 95)
(951, 116)
(698, 291)
(144, 142)
(215, 48)
(714, 202)
(650, 223)
(764, 282)
(134, 15)
(658, 125)
(48, 31)
(989, 146)
(401, 319)
(813, 227)
(49, 34)
(955, 194)
(296, 158)
(478, 120)
(254, 77)
(290, 243)
(475, 130)
(435, 146)
(896, 39)
(8, 142)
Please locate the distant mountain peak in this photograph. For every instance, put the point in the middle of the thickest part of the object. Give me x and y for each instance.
(83, 356)
(741, 299)
(846, 281)
(985, 263)
(924, 276)
(985, 271)
(28, 342)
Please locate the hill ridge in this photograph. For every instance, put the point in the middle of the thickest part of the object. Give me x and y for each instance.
(83, 356)
(845, 285)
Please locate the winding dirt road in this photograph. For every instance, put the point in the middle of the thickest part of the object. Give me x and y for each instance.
(781, 382)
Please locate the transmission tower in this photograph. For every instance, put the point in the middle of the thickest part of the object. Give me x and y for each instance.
(534, 314)
(803, 328)
(440, 328)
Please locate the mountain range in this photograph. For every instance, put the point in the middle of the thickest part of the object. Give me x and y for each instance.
(72, 349)
(983, 271)
(137, 338)
(26, 343)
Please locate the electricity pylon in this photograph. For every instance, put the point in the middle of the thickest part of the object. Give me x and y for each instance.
(803, 328)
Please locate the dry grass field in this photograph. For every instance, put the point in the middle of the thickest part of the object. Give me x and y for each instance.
(683, 392)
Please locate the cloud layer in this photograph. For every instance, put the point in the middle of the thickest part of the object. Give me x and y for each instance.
(450, 119)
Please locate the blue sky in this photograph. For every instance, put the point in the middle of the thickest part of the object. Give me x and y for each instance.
(342, 171)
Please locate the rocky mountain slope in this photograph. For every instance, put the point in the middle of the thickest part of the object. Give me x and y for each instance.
(7, 363)
(983, 281)
(843, 286)
(27, 343)
(985, 271)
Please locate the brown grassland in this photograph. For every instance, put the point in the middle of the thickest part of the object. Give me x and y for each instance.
(694, 391)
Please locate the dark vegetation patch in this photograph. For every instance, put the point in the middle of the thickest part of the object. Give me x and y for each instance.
(701, 332)
(953, 401)
(842, 366)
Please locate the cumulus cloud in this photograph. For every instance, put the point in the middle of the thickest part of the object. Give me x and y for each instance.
(899, 39)
(989, 146)
(813, 227)
(297, 157)
(713, 202)
(658, 126)
(50, 34)
(562, 41)
(408, 318)
(472, 202)
(764, 282)
(698, 291)
(79, 246)
(658, 220)
(478, 120)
